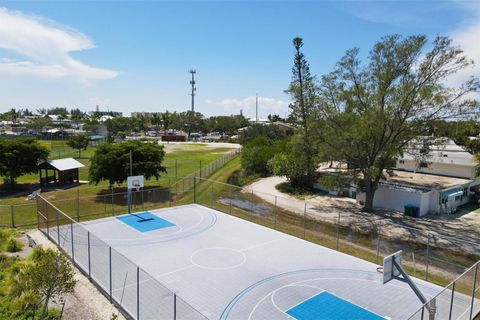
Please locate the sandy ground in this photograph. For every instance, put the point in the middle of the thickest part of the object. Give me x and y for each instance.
(461, 226)
(179, 146)
(86, 302)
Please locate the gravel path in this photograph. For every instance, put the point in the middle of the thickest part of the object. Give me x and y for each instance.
(86, 302)
(464, 227)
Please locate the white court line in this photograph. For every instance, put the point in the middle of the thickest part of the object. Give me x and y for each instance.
(272, 298)
(262, 244)
(156, 277)
(174, 271)
(306, 280)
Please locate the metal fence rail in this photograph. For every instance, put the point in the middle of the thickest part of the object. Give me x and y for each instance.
(434, 257)
(85, 205)
(138, 294)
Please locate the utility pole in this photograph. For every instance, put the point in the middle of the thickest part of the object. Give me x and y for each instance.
(193, 71)
(256, 107)
(131, 164)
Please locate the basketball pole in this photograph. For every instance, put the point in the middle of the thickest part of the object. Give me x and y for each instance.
(130, 190)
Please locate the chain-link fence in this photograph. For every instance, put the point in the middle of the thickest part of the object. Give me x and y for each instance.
(434, 257)
(138, 294)
(90, 202)
(458, 300)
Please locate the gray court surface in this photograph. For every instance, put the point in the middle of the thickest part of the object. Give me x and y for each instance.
(228, 268)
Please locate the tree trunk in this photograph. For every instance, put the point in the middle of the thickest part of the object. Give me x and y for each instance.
(11, 183)
(370, 188)
(45, 308)
(79, 153)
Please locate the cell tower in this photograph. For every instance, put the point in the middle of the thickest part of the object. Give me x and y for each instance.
(193, 71)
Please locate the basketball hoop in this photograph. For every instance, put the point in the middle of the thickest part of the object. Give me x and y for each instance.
(135, 182)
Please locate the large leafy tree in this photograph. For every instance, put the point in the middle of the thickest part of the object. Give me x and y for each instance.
(257, 152)
(79, 142)
(302, 90)
(111, 162)
(373, 111)
(19, 157)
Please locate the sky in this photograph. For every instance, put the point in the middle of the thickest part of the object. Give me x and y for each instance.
(135, 55)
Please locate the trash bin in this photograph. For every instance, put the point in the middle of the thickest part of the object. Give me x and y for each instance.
(416, 212)
(408, 211)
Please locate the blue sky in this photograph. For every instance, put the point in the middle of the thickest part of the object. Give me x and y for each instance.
(135, 56)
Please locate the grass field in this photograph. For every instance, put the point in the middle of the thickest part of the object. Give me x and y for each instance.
(90, 201)
(179, 163)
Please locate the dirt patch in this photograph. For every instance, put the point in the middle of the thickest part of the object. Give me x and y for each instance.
(448, 229)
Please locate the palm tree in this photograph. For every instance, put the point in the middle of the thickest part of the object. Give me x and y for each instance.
(156, 120)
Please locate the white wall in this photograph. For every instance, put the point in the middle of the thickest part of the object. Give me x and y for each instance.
(442, 169)
(395, 199)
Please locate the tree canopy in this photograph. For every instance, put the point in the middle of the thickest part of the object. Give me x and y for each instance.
(19, 157)
(79, 142)
(111, 162)
(371, 111)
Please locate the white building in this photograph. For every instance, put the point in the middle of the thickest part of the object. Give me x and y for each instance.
(446, 159)
(435, 179)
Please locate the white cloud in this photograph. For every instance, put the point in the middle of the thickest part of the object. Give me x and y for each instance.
(266, 105)
(46, 45)
(467, 39)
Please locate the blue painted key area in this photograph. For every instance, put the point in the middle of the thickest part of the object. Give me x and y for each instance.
(326, 306)
(135, 221)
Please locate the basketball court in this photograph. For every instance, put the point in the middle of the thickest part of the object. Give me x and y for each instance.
(229, 268)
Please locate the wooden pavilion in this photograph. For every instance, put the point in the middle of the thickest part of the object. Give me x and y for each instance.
(59, 172)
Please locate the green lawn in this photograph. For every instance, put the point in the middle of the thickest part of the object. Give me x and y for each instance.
(99, 199)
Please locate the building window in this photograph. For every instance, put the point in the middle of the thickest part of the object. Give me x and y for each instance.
(423, 165)
(401, 161)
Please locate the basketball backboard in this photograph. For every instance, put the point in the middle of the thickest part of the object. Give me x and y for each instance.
(135, 182)
(389, 269)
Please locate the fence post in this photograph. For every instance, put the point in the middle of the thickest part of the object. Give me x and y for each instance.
(88, 255)
(378, 242)
(451, 301)
(113, 206)
(252, 206)
(304, 220)
(194, 189)
(47, 216)
(110, 271)
(38, 215)
(474, 288)
(231, 195)
(71, 238)
(174, 306)
(200, 163)
(338, 230)
(176, 169)
(169, 198)
(138, 293)
(211, 196)
(12, 215)
(428, 256)
(105, 204)
(58, 228)
(275, 214)
(78, 205)
(143, 201)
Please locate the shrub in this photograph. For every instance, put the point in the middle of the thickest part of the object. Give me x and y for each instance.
(13, 245)
(257, 152)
